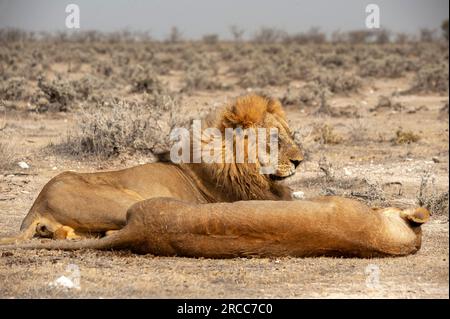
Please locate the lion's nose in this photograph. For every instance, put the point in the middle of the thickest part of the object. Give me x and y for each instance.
(296, 162)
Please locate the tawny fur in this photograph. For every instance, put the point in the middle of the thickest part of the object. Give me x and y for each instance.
(325, 226)
(90, 204)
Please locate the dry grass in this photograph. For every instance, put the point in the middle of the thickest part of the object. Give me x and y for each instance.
(429, 197)
(7, 156)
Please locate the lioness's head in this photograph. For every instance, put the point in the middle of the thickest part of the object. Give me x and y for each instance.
(255, 112)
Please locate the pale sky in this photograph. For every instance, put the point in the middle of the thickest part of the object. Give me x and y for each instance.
(198, 17)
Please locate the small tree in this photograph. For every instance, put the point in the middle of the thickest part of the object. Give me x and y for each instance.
(210, 38)
(427, 35)
(402, 38)
(267, 35)
(444, 28)
(237, 32)
(360, 36)
(383, 36)
(175, 35)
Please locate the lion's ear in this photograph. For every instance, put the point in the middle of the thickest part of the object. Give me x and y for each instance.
(274, 106)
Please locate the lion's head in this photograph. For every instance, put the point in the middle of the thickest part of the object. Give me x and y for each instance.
(245, 180)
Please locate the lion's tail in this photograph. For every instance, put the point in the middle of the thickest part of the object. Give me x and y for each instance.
(29, 224)
(416, 216)
(119, 240)
(24, 234)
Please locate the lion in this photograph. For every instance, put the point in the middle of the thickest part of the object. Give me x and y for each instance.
(74, 205)
(324, 226)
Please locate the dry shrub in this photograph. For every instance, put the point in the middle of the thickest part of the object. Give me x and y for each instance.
(123, 127)
(428, 196)
(432, 78)
(89, 88)
(59, 93)
(210, 39)
(371, 192)
(104, 68)
(145, 79)
(263, 74)
(325, 135)
(339, 83)
(445, 29)
(13, 89)
(290, 97)
(296, 69)
(309, 94)
(334, 60)
(385, 102)
(405, 137)
(267, 35)
(313, 35)
(392, 66)
(197, 79)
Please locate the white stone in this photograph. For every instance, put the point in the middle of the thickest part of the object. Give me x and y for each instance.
(298, 195)
(64, 282)
(23, 165)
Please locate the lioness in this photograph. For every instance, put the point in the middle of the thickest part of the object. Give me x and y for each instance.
(79, 204)
(325, 226)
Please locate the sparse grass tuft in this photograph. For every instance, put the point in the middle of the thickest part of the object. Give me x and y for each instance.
(7, 156)
(385, 102)
(405, 137)
(325, 135)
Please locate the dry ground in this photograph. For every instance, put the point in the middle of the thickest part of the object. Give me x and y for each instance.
(365, 151)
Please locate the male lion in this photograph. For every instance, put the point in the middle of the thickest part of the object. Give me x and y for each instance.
(80, 204)
(325, 226)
